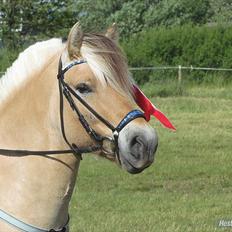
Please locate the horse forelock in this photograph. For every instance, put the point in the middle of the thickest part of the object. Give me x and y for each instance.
(27, 65)
(107, 62)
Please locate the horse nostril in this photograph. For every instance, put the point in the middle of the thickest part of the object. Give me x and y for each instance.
(133, 141)
(156, 146)
(138, 148)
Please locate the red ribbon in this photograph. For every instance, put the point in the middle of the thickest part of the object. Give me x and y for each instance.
(149, 109)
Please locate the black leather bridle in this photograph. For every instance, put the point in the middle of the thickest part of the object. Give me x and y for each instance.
(69, 93)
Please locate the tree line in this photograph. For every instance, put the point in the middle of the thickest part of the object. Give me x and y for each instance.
(23, 22)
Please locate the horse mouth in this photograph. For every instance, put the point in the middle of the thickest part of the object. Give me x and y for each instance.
(108, 156)
(108, 148)
(134, 167)
(125, 163)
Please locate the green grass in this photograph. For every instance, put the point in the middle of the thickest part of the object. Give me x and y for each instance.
(187, 189)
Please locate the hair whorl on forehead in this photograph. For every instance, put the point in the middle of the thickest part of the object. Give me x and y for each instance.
(107, 62)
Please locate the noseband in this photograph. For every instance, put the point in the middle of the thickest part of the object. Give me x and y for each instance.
(70, 94)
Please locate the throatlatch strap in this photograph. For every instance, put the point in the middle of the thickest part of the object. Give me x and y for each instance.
(75, 149)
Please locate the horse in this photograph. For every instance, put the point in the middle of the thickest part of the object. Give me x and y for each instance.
(74, 96)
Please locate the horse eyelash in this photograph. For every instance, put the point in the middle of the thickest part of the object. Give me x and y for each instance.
(83, 88)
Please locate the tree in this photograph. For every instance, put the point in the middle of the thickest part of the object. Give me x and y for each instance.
(130, 18)
(179, 12)
(25, 20)
(222, 11)
(99, 14)
(10, 22)
(94, 15)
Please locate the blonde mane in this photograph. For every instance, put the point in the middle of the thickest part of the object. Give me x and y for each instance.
(29, 61)
(104, 57)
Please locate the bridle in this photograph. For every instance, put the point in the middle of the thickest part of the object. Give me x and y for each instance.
(70, 95)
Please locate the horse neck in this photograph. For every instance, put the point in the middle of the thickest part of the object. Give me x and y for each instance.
(25, 112)
(42, 185)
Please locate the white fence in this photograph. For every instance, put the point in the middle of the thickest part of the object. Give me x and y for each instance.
(179, 68)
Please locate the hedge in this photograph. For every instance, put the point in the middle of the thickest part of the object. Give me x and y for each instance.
(205, 46)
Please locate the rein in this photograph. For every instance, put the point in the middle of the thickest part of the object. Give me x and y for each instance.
(66, 91)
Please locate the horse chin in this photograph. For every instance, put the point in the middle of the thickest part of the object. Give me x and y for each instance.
(108, 156)
(128, 166)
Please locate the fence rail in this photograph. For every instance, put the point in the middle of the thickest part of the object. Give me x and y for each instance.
(179, 68)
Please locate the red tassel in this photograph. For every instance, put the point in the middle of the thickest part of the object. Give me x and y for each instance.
(149, 109)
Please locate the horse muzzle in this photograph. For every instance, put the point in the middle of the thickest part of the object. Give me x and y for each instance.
(136, 147)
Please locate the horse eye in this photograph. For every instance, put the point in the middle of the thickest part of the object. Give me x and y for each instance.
(83, 88)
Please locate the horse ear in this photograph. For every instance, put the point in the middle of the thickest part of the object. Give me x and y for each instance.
(112, 32)
(75, 41)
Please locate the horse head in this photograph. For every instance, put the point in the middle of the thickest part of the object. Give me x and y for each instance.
(103, 81)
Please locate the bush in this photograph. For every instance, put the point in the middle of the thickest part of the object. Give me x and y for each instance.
(6, 58)
(205, 46)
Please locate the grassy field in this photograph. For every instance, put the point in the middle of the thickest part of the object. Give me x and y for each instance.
(189, 187)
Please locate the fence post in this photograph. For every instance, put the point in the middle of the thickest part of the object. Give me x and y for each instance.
(179, 74)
